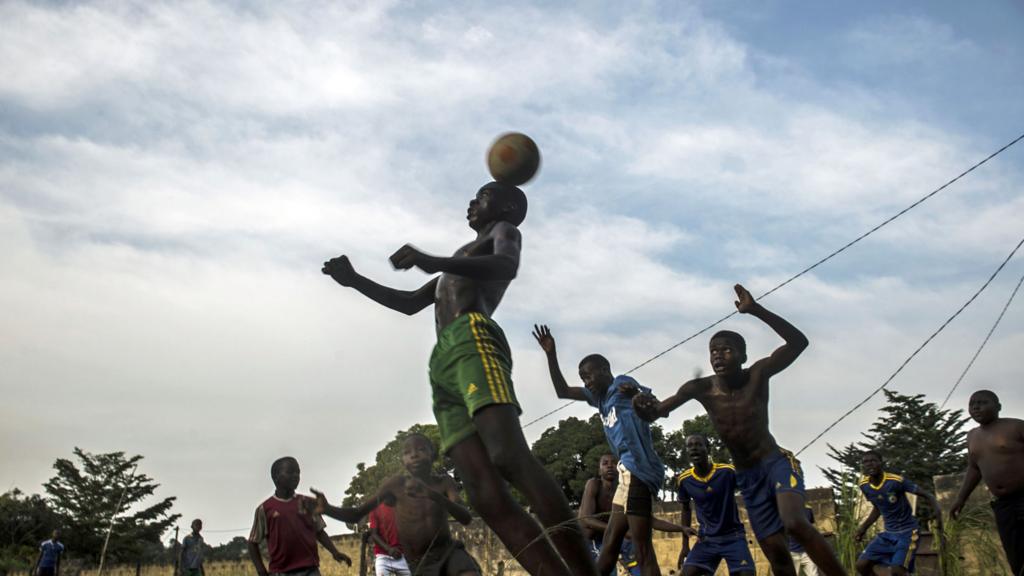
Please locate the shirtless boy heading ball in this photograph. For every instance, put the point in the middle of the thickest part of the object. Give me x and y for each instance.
(995, 454)
(736, 400)
(471, 381)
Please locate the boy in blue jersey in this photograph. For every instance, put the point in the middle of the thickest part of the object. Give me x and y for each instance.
(712, 488)
(896, 546)
(50, 551)
(641, 472)
(736, 400)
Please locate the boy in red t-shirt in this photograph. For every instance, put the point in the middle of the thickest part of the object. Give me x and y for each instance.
(387, 551)
(290, 525)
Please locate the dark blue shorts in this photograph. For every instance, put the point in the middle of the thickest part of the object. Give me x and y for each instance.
(779, 472)
(708, 553)
(892, 549)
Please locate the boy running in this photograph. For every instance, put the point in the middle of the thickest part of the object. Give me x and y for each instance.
(736, 400)
(422, 502)
(641, 472)
(712, 488)
(895, 547)
(471, 379)
(291, 527)
(995, 454)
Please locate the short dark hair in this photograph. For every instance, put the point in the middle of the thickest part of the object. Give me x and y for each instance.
(596, 359)
(425, 438)
(698, 435)
(513, 194)
(733, 337)
(876, 453)
(275, 468)
(988, 393)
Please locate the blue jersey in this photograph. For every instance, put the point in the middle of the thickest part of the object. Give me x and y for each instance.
(628, 434)
(714, 496)
(890, 497)
(794, 545)
(51, 553)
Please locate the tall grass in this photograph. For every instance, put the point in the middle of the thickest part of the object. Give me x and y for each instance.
(972, 535)
(847, 521)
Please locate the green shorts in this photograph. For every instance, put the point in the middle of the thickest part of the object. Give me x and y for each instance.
(470, 367)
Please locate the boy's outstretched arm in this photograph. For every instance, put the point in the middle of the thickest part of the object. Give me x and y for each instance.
(405, 301)
(547, 343)
(501, 264)
(784, 355)
(348, 515)
(650, 409)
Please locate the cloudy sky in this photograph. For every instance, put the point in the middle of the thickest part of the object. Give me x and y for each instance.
(172, 176)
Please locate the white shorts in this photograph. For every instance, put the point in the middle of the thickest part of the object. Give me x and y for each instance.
(385, 565)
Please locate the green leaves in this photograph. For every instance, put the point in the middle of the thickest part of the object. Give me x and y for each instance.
(85, 493)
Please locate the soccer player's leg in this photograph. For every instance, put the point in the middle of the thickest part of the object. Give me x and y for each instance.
(455, 370)
(611, 545)
(904, 553)
(879, 551)
(638, 510)
(703, 559)
(787, 481)
(762, 511)
(737, 556)
(483, 373)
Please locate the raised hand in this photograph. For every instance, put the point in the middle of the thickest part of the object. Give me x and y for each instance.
(321, 501)
(543, 337)
(341, 270)
(745, 302)
(646, 406)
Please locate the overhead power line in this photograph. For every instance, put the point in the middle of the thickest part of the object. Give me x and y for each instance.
(983, 342)
(915, 352)
(831, 255)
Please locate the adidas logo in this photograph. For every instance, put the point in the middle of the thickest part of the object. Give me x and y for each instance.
(471, 389)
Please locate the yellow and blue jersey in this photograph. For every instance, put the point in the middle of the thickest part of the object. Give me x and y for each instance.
(714, 497)
(890, 497)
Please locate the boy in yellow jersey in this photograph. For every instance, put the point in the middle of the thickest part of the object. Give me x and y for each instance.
(895, 547)
(471, 380)
(712, 489)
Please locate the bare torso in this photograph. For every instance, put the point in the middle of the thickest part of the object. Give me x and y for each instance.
(421, 521)
(457, 295)
(604, 493)
(998, 450)
(739, 414)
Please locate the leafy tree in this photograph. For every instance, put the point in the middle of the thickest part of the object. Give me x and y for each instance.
(388, 463)
(85, 495)
(232, 550)
(916, 439)
(25, 521)
(570, 452)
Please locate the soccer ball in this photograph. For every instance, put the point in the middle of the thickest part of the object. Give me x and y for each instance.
(513, 158)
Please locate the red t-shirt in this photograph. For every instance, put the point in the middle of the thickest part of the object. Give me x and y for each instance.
(290, 529)
(383, 519)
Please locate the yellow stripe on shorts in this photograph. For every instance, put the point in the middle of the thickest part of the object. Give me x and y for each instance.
(499, 374)
(473, 318)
